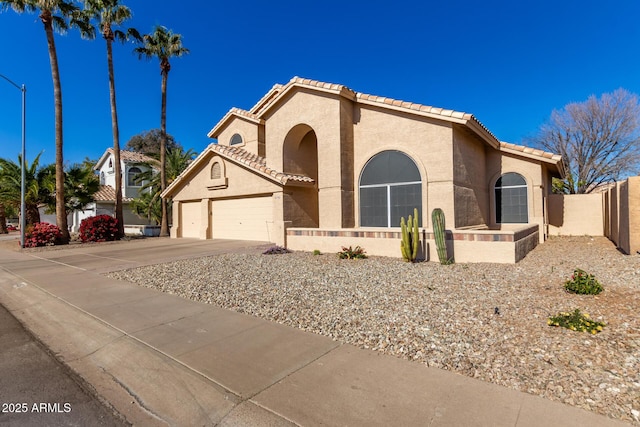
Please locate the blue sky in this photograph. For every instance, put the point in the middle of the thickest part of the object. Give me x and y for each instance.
(509, 63)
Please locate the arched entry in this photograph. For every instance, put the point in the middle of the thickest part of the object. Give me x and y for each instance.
(300, 157)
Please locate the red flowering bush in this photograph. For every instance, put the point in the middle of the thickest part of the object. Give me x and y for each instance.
(99, 228)
(42, 234)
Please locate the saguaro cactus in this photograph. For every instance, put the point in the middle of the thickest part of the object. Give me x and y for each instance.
(410, 237)
(437, 218)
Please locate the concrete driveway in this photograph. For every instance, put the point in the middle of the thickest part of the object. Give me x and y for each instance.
(112, 256)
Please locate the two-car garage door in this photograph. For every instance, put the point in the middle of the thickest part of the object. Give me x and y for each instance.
(242, 219)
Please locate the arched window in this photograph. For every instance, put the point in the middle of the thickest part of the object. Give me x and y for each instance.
(131, 177)
(216, 171)
(236, 139)
(511, 199)
(390, 188)
(102, 179)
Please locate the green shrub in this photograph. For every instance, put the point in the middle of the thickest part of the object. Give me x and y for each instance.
(352, 253)
(42, 234)
(276, 250)
(100, 228)
(583, 283)
(317, 252)
(576, 321)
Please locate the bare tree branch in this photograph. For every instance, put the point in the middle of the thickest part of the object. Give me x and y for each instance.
(599, 139)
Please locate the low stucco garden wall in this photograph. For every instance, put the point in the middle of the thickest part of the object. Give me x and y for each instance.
(498, 246)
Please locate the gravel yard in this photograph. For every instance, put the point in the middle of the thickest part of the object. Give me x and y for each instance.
(445, 316)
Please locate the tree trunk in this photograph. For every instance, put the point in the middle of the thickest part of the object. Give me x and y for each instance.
(116, 141)
(164, 224)
(3, 220)
(32, 214)
(61, 214)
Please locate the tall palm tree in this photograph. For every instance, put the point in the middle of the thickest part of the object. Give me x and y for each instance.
(107, 14)
(58, 15)
(147, 204)
(162, 44)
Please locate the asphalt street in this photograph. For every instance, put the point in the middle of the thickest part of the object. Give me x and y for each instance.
(37, 390)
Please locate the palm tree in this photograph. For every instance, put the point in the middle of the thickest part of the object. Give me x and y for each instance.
(58, 15)
(36, 191)
(148, 204)
(81, 183)
(107, 14)
(162, 44)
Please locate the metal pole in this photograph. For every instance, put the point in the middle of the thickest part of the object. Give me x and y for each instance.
(23, 219)
(23, 216)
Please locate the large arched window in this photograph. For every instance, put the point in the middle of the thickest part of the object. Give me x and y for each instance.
(390, 188)
(131, 177)
(511, 199)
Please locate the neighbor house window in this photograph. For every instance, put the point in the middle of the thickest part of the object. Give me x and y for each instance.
(102, 178)
(131, 177)
(511, 199)
(236, 139)
(390, 188)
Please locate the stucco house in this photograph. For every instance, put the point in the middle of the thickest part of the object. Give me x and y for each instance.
(131, 164)
(316, 165)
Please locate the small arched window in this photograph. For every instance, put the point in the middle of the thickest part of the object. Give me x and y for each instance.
(511, 199)
(390, 188)
(102, 179)
(236, 139)
(216, 171)
(110, 164)
(131, 177)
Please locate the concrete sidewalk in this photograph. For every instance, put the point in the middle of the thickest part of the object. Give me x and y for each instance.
(163, 360)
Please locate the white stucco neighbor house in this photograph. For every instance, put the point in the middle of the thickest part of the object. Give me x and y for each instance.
(316, 165)
(131, 164)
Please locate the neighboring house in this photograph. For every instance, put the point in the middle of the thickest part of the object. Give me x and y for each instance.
(315, 165)
(132, 164)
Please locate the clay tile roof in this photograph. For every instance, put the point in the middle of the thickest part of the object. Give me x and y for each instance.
(132, 156)
(107, 193)
(257, 163)
(531, 151)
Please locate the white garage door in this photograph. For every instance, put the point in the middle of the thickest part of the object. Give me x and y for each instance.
(243, 219)
(190, 219)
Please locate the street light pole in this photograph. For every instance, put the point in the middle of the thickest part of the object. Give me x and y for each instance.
(23, 219)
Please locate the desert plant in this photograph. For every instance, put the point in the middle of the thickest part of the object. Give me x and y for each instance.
(42, 234)
(352, 253)
(437, 218)
(576, 321)
(583, 283)
(100, 228)
(276, 250)
(317, 252)
(410, 237)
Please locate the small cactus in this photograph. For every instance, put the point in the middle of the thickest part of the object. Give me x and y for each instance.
(437, 218)
(410, 237)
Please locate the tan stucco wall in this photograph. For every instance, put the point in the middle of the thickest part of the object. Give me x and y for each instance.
(576, 214)
(471, 186)
(634, 214)
(464, 251)
(241, 181)
(427, 142)
(321, 113)
(249, 131)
